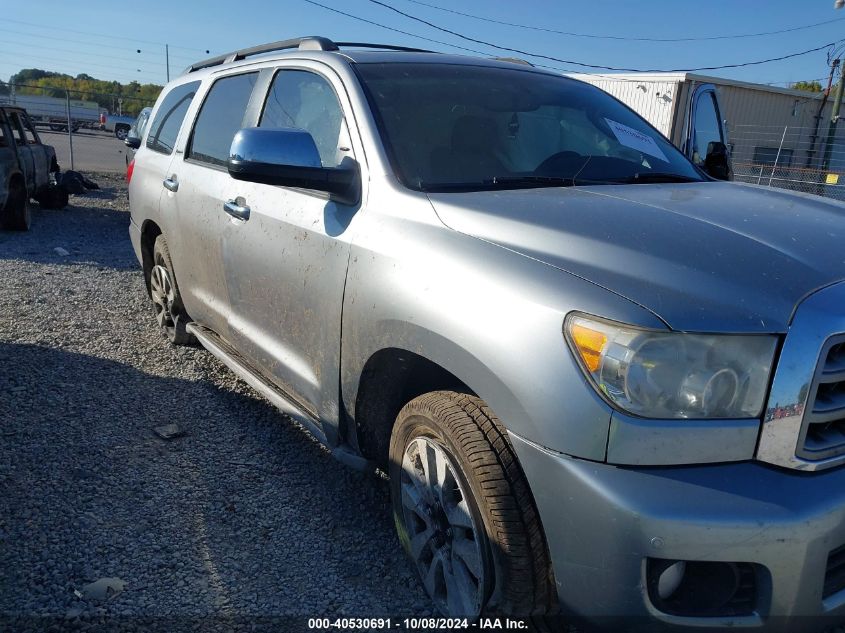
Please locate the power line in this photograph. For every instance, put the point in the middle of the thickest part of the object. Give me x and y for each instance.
(624, 38)
(88, 54)
(88, 44)
(395, 30)
(59, 62)
(585, 65)
(113, 37)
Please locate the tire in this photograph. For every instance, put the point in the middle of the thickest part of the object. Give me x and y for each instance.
(167, 302)
(121, 132)
(487, 490)
(54, 197)
(16, 215)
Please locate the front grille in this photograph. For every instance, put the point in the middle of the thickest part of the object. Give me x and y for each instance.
(834, 575)
(823, 432)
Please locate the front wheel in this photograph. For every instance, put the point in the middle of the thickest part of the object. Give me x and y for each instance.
(121, 132)
(463, 510)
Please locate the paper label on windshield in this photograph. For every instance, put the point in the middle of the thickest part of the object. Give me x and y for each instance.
(629, 137)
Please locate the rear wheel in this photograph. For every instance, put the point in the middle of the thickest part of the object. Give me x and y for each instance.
(463, 510)
(167, 302)
(121, 132)
(16, 214)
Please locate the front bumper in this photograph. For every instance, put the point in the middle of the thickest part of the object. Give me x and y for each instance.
(603, 522)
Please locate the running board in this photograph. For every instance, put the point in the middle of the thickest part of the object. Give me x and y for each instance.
(233, 360)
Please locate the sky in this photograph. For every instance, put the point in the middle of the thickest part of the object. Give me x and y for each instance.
(104, 40)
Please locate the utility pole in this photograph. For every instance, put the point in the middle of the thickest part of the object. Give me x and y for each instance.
(834, 117)
(167, 60)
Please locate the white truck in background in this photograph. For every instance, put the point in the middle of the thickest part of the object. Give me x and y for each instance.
(53, 111)
(682, 106)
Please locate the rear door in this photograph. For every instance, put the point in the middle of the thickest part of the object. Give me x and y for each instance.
(204, 181)
(148, 196)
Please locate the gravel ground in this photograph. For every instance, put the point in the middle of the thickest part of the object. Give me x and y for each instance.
(245, 516)
(245, 523)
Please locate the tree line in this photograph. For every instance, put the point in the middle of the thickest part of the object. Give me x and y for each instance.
(134, 95)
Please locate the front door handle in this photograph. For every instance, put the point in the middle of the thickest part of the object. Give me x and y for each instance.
(171, 184)
(240, 211)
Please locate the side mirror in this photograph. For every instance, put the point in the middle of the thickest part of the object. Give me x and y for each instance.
(717, 163)
(132, 141)
(288, 157)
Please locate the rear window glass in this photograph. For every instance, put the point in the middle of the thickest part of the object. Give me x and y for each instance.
(165, 127)
(220, 118)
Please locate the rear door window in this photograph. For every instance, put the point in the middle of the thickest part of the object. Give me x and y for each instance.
(220, 118)
(165, 127)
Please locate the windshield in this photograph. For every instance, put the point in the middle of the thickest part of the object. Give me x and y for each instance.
(454, 127)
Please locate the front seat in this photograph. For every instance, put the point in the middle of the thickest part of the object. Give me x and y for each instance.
(472, 155)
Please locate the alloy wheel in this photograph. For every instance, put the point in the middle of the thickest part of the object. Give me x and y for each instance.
(445, 540)
(163, 296)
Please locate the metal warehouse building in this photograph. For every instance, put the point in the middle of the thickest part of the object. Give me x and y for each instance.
(777, 136)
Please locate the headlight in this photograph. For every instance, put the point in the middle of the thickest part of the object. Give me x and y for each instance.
(658, 374)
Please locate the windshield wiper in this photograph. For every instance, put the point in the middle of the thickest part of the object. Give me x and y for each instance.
(652, 176)
(499, 182)
(532, 181)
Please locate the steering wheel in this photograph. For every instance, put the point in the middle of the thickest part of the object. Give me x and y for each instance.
(560, 162)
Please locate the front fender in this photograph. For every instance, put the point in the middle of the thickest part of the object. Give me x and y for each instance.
(491, 317)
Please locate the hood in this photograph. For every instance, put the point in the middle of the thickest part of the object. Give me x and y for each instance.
(712, 257)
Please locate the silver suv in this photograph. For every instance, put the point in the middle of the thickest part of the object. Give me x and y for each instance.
(602, 383)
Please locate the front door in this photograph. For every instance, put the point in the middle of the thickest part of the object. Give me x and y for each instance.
(286, 264)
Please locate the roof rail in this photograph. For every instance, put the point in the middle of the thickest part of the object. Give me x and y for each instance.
(386, 47)
(311, 43)
(513, 60)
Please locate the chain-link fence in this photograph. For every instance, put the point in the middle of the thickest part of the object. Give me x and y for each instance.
(790, 157)
(84, 132)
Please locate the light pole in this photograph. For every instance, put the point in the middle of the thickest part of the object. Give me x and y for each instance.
(834, 111)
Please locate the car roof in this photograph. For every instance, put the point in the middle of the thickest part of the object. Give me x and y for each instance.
(318, 48)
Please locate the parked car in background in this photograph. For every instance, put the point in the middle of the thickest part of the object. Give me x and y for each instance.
(119, 125)
(27, 170)
(600, 379)
(136, 133)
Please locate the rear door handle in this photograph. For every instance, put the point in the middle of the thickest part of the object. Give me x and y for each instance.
(171, 184)
(236, 210)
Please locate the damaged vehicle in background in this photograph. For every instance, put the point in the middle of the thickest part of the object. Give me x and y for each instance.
(28, 169)
(601, 380)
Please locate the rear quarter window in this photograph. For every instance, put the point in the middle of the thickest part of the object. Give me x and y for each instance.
(165, 126)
